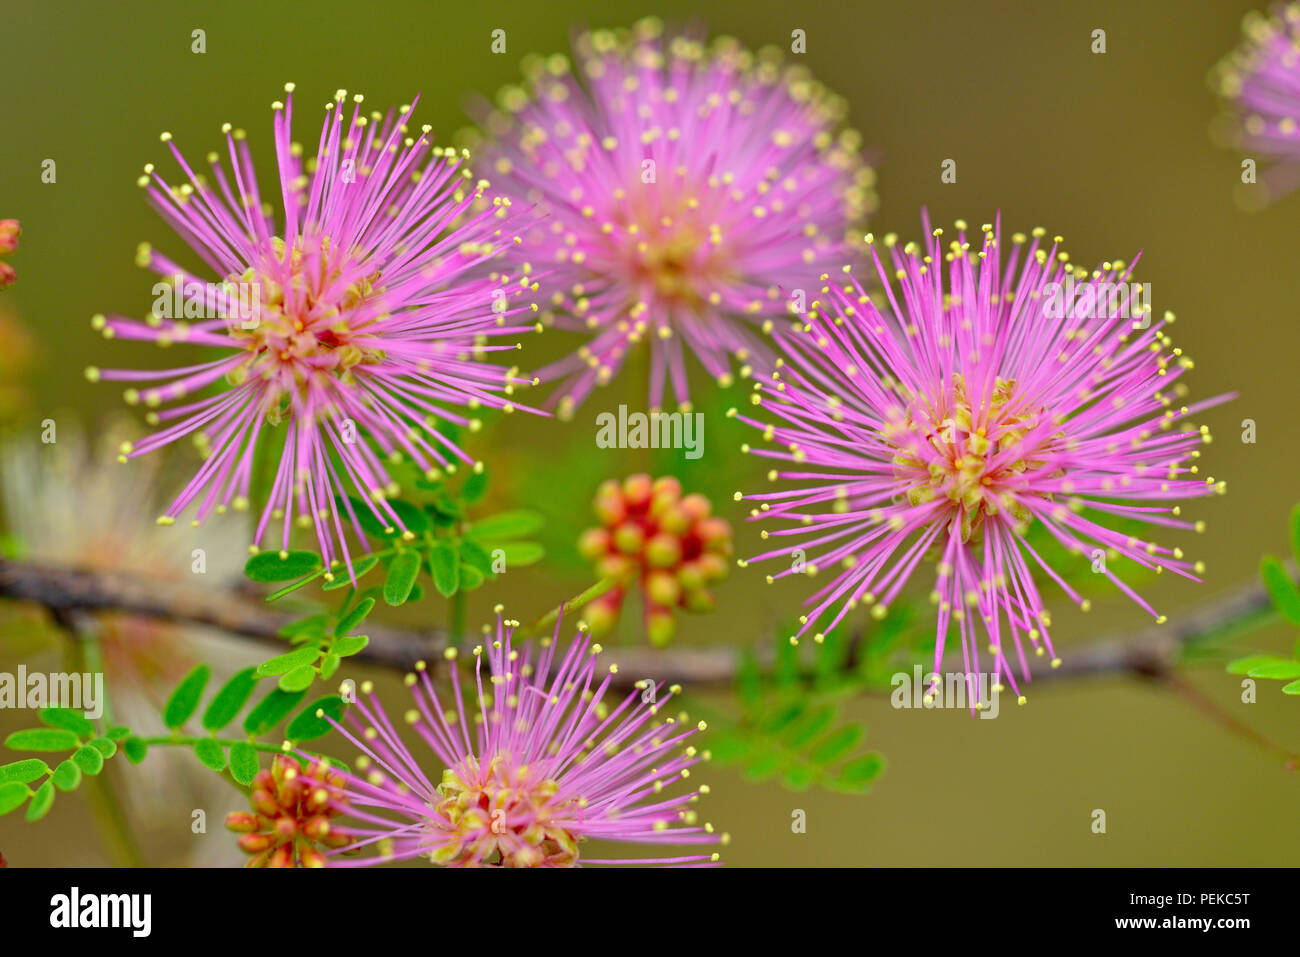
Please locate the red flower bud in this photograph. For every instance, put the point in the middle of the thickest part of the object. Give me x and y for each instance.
(241, 822)
(9, 230)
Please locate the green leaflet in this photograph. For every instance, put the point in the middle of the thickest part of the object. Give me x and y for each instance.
(299, 679)
(343, 647)
(42, 801)
(70, 720)
(349, 622)
(210, 754)
(283, 664)
(185, 699)
(89, 760)
(271, 710)
(279, 567)
(445, 566)
(12, 796)
(67, 776)
(23, 772)
(308, 725)
(228, 701)
(507, 525)
(42, 739)
(243, 762)
(1280, 588)
(401, 577)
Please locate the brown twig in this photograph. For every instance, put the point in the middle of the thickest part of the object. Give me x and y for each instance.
(1150, 653)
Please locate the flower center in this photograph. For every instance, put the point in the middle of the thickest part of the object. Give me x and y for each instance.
(973, 456)
(298, 330)
(671, 249)
(506, 817)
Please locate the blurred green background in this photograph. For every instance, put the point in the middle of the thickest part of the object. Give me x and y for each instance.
(1111, 150)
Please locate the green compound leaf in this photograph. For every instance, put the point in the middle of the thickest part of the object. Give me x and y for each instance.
(42, 801)
(349, 622)
(185, 699)
(283, 664)
(308, 726)
(23, 772)
(401, 577)
(67, 776)
(234, 694)
(1280, 588)
(89, 760)
(243, 762)
(278, 567)
(42, 739)
(210, 754)
(790, 726)
(445, 565)
(69, 720)
(12, 795)
(271, 710)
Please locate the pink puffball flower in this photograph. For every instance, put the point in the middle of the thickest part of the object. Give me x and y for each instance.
(686, 185)
(975, 396)
(544, 759)
(342, 338)
(1260, 80)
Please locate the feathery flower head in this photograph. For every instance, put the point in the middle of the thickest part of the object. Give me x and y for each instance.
(1261, 79)
(685, 183)
(294, 807)
(650, 536)
(540, 762)
(982, 393)
(355, 327)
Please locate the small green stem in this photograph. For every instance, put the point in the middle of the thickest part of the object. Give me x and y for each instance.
(190, 741)
(550, 618)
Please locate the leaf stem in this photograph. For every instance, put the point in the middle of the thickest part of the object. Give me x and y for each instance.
(578, 601)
